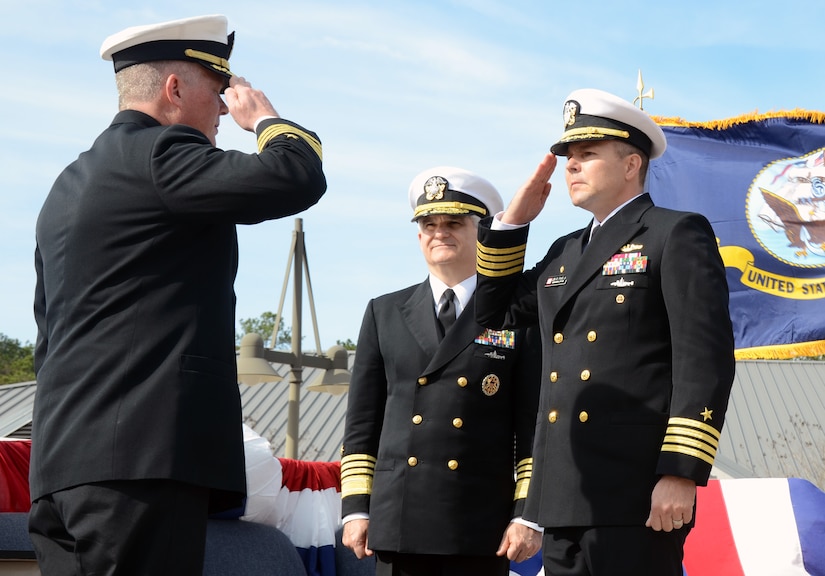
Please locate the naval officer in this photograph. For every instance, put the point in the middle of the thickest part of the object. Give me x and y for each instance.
(637, 348)
(437, 446)
(136, 431)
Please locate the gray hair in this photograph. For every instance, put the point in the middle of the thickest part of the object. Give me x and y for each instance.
(142, 83)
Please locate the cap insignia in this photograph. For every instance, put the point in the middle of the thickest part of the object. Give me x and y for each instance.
(571, 109)
(434, 188)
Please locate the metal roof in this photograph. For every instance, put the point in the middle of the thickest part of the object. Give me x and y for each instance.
(321, 421)
(774, 423)
(773, 427)
(16, 402)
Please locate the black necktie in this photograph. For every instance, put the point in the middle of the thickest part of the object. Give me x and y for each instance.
(594, 231)
(447, 314)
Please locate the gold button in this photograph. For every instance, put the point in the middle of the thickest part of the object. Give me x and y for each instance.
(558, 337)
(422, 380)
(412, 461)
(553, 416)
(462, 381)
(583, 416)
(452, 464)
(458, 422)
(619, 298)
(417, 419)
(561, 270)
(591, 336)
(585, 374)
(554, 376)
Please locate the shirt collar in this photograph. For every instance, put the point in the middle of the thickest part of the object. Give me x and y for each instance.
(463, 292)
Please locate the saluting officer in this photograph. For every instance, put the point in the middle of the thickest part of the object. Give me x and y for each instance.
(136, 431)
(437, 446)
(637, 348)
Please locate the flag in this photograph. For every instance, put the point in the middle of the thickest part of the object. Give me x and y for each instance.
(757, 527)
(760, 180)
(14, 475)
(300, 498)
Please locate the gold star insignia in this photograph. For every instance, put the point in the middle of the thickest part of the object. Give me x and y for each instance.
(707, 414)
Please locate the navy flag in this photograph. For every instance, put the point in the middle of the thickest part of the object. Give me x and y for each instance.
(760, 180)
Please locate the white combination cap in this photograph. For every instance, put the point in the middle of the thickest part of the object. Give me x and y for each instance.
(591, 114)
(450, 190)
(200, 39)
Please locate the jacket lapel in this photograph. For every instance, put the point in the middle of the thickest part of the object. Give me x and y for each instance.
(615, 233)
(418, 313)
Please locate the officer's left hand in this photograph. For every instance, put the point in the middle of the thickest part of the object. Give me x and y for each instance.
(671, 504)
(519, 542)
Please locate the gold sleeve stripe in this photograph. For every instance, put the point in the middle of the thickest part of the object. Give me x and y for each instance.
(698, 445)
(524, 466)
(357, 471)
(497, 262)
(690, 423)
(692, 433)
(500, 251)
(355, 486)
(522, 487)
(524, 472)
(688, 452)
(289, 131)
(514, 257)
(358, 458)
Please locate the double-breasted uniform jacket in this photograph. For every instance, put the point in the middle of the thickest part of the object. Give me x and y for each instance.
(436, 433)
(136, 258)
(637, 357)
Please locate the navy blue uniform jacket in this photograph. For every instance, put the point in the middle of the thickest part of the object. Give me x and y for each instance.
(136, 258)
(637, 357)
(438, 438)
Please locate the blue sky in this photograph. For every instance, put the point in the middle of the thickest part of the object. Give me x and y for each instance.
(391, 88)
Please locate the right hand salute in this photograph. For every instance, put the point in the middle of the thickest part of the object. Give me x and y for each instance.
(529, 201)
(246, 104)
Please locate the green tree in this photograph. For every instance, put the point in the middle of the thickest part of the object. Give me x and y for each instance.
(348, 343)
(264, 325)
(16, 361)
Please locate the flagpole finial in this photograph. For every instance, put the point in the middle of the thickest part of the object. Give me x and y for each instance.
(640, 89)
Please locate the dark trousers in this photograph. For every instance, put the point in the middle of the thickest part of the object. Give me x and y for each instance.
(121, 528)
(611, 550)
(397, 564)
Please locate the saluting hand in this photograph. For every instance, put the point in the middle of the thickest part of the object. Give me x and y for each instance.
(246, 104)
(530, 198)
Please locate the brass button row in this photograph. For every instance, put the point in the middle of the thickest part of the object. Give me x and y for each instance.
(585, 375)
(462, 381)
(412, 461)
(558, 337)
(553, 416)
(418, 419)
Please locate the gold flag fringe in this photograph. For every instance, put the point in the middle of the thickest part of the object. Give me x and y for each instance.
(795, 114)
(782, 352)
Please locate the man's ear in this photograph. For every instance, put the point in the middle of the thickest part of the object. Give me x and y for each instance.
(633, 163)
(172, 90)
